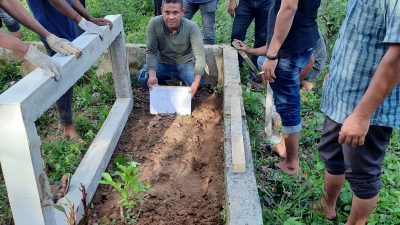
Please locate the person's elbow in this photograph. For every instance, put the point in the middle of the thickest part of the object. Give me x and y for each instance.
(289, 8)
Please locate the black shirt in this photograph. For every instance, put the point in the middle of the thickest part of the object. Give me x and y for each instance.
(303, 34)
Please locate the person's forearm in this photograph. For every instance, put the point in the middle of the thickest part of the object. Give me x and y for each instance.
(63, 7)
(18, 12)
(283, 23)
(14, 44)
(386, 77)
(257, 51)
(77, 5)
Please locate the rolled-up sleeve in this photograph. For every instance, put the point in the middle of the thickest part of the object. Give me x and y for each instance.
(196, 42)
(151, 46)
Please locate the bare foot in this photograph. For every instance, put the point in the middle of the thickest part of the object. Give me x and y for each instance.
(60, 190)
(280, 149)
(289, 169)
(307, 85)
(68, 131)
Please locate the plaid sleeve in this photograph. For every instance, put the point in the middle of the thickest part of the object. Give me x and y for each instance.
(393, 22)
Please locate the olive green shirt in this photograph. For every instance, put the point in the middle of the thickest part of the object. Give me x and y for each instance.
(184, 46)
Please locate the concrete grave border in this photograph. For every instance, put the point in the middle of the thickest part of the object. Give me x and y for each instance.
(21, 105)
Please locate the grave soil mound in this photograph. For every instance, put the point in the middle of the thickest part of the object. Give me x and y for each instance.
(182, 159)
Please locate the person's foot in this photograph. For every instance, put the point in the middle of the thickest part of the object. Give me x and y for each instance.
(321, 206)
(289, 170)
(307, 85)
(68, 131)
(280, 148)
(60, 190)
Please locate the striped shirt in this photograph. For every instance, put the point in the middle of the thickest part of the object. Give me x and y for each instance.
(367, 30)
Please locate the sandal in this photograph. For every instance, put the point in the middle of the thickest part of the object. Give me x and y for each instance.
(62, 189)
(317, 206)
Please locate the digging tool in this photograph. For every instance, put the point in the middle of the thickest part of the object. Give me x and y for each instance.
(268, 96)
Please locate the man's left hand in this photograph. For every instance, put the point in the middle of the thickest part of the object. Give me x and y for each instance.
(268, 70)
(195, 85)
(102, 22)
(354, 130)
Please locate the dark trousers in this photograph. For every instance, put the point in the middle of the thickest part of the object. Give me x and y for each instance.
(64, 104)
(157, 7)
(246, 11)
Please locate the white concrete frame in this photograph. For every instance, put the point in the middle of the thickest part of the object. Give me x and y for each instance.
(22, 164)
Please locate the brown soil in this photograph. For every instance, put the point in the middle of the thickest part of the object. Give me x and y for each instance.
(182, 159)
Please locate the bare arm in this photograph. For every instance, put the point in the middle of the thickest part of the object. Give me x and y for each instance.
(385, 79)
(17, 11)
(283, 23)
(251, 51)
(14, 44)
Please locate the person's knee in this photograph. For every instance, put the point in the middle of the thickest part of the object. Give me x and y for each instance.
(365, 187)
(142, 77)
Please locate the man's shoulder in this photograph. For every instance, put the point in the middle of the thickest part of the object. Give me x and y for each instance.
(189, 23)
(156, 20)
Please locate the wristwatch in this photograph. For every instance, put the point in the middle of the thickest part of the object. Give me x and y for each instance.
(272, 57)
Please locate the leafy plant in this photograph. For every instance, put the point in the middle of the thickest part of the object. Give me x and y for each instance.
(126, 181)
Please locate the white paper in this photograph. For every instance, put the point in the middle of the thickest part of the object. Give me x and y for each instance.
(170, 100)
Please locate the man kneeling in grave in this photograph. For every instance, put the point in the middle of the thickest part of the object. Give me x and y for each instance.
(175, 49)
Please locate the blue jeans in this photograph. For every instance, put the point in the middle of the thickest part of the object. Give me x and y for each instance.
(286, 89)
(207, 11)
(11, 24)
(64, 104)
(246, 11)
(320, 59)
(182, 72)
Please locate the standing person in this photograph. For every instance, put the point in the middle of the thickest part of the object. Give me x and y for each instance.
(174, 49)
(292, 34)
(50, 13)
(157, 7)
(208, 8)
(30, 52)
(13, 26)
(361, 105)
(244, 14)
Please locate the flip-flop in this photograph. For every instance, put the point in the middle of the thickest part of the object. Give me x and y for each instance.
(65, 178)
(268, 167)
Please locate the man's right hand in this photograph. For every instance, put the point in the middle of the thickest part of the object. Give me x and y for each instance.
(63, 46)
(242, 45)
(232, 8)
(152, 81)
(45, 62)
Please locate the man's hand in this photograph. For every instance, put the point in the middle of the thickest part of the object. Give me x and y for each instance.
(195, 85)
(91, 27)
(39, 59)
(354, 130)
(152, 81)
(63, 46)
(102, 22)
(232, 8)
(242, 45)
(268, 70)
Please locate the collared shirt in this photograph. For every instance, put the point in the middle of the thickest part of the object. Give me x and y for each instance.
(368, 29)
(184, 46)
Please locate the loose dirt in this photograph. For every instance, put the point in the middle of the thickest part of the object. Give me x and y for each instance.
(182, 159)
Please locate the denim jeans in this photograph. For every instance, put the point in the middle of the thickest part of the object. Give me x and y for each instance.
(320, 59)
(286, 89)
(182, 72)
(64, 104)
(207, 11)
(11, 24)
(246, 11)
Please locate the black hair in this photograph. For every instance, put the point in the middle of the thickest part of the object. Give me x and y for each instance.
(172, 1)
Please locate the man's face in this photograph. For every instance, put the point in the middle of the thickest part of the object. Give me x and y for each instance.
(172, 14)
